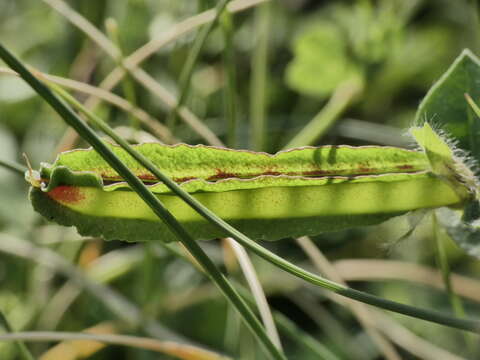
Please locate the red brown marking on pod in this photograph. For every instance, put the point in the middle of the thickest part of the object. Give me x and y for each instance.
(66, 194)
(184, 179)
(222, 175)
(366, 170)
(314, 173)
(114, 179)
(272, 173)
(147, 177)
(141, 176)
(405, 167)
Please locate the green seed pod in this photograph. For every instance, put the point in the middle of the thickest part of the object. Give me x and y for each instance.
(302, 191)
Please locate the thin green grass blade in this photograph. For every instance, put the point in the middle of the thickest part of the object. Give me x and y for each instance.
(471, 325)
(77, 204)
(71, 118)
(187, 70)
(22, 348)
(19, 169)
(258, 86)
(343, 97)
(442, 261)
(441, 255)
(226, 22)
(291, 329)
(128, 86)
(89, 135)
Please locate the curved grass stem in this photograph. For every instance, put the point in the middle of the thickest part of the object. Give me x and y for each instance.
(343, 96)
(241, 254)
(189, 65)
(362, 314)
(256, 289)
(22, 348)
(89, 135)
(153, 125)
(230, 103)
(136, 73)
(10, 165)
(258, 81)
(127, 84)
(150, 199)
(180, 351)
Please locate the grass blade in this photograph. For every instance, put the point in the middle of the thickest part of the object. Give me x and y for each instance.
(240, 253)
(362, 313)
(87, 133)
(113, 301)
(137, 185)
(256, 289)
(230, 86)
(258, 80)
(187, 70)
(127, 84)
(180, 351)
(22, 348)
(10, 165)
(155, 127)
(138, 74)
(176, 31)
(321, 123)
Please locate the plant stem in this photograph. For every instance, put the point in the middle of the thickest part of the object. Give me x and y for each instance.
(258, 88)
(256, 290)
(178, 350)
(187, 70)
(150, 199)
(473, 125)
(19, 169)
(226, 22)
(362, 313)
(22, 348)
(136, 184)
(127, 83)
(344, 94)
(455, 300)
(442, 260)
(465, 324)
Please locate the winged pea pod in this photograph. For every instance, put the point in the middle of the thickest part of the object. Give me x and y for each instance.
(302, 191)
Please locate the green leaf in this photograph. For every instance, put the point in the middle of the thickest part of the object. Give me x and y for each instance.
(445, 102)
(321, 61)
(439, 154)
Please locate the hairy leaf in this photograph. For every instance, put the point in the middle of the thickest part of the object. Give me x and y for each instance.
(445, 102)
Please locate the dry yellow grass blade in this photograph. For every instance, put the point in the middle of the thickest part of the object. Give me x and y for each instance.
(379, 270)
(79, 349)
(77, 346)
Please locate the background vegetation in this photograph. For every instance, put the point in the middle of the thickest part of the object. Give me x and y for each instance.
(358, 68)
